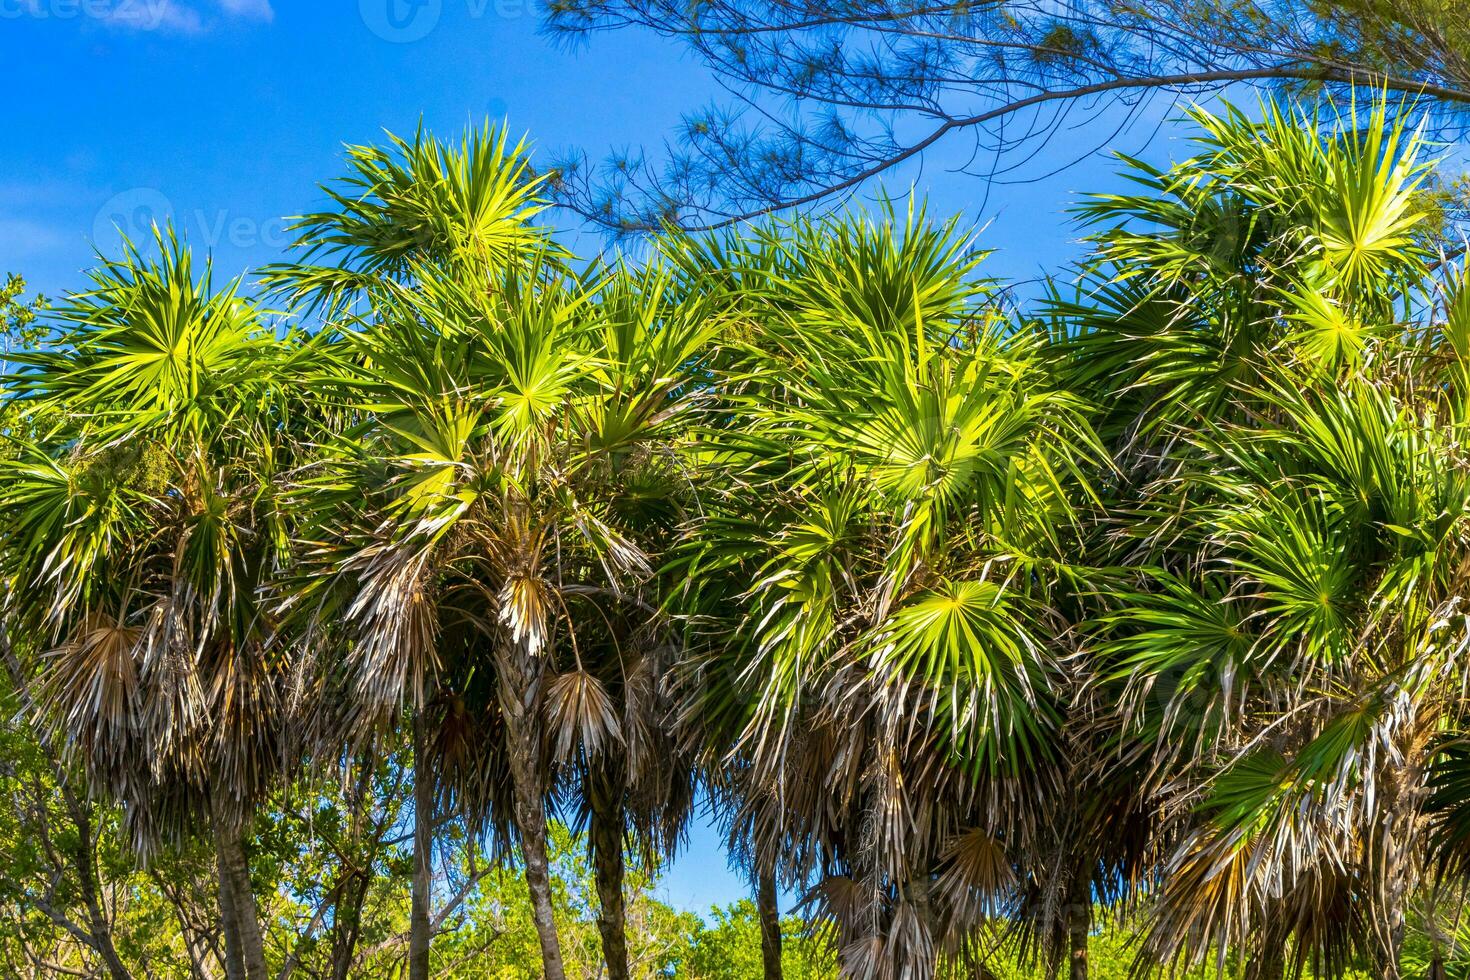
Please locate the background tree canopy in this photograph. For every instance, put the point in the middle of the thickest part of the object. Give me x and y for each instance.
(825, 96)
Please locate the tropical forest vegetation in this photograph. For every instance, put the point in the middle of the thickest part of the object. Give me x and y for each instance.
(393, 611)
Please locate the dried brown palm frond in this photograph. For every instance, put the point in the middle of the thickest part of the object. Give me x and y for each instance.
(580, 716)
(978, 877)
(394, 619)
(93, 686)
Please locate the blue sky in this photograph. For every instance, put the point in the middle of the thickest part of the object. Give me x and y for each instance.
(226, 114)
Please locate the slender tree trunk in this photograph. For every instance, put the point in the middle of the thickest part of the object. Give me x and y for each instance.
(519, 698)
(229, 919)
(1403, 791)
(1397, 895)
(252, 943)
(605, 797)
(419, 929)
(1390, 927)
(244, 947)
(1079, 929)
(98, 927)
(346, 932)
(769, 914)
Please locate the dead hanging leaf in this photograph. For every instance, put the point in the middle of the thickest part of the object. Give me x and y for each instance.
(977, 873)
(525, 609)
(579, 711)
(92, 680)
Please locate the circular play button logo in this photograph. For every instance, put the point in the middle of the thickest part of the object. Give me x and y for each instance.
(401, 21)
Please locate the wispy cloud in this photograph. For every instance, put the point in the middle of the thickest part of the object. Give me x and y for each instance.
(180, 16)
(167, 15)
(250, 9)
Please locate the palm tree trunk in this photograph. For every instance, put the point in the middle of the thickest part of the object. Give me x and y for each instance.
(1403, 795)
(518, 700)
(419, 936)
(240, 919)
(1079, 927)
(1268, 964)
(605, 798)
(229, 922)
(1390, 930)
(769, 914)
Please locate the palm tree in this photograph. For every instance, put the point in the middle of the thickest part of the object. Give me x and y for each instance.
(484, 498)
(1285, 660)
(636, 790)
(415, 208)
(895, 475)
(422, 211)
(1279, 237)
(141, 525)
(728, 278)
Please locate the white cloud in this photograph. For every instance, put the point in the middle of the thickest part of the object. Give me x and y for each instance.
(171, 15)
(249, 9)
(149, 15)
(181, 16)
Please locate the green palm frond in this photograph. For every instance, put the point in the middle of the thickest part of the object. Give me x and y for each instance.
(1186, 659)
(415, 202)
(150, 343)
(1325, 333)
(967, 646)
(1287, 548)
(1283, 233)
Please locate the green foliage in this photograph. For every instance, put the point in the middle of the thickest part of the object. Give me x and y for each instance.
(830, 98)
(729, 948)
(20, 330)
(18, 314)
(1139, 624)
(309, 845)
